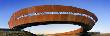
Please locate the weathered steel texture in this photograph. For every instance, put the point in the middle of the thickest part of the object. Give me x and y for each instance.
(84, 21)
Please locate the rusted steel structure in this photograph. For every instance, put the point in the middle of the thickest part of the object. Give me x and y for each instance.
(46, 14)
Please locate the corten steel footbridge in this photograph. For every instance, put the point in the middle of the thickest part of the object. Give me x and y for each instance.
(53, 14)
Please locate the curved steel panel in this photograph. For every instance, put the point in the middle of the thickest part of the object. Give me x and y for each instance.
(25, 16)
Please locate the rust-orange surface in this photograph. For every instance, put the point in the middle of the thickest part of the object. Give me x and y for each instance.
(83, 20)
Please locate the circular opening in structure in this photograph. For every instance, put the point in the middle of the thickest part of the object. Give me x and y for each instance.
(52, 28)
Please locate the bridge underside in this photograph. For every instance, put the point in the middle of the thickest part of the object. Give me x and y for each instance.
(18, 28)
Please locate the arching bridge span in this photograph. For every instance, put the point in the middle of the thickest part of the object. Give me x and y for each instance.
(49, 14)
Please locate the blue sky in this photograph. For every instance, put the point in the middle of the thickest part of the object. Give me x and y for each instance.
(99, 7)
